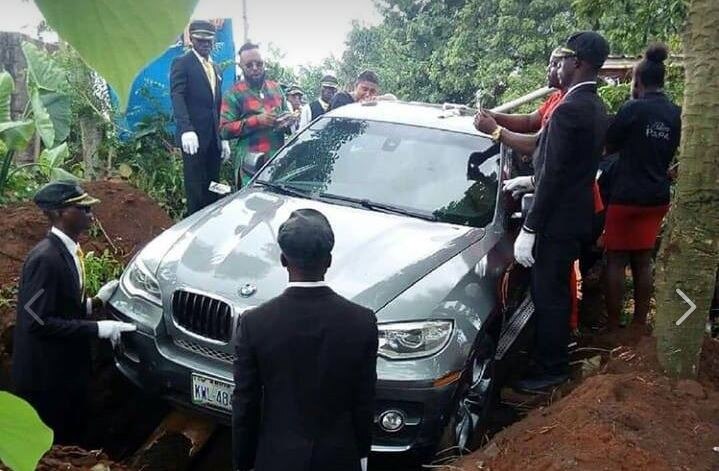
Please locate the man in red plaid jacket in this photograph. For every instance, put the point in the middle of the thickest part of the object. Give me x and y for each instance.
(252, 112)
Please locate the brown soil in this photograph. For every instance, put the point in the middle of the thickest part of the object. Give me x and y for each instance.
(629, 416)
(129, 217)
(73, 458)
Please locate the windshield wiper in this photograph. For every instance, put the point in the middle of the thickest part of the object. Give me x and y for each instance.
(284, 189)
(388, 208)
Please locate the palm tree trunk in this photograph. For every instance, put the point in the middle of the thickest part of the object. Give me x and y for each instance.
(690, 250)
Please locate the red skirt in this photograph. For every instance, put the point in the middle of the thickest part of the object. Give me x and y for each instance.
(632, 227)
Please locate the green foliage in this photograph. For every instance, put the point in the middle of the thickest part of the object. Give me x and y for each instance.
(43, 124)
(46, 113)
(8, 297)
(42, 71)
(99, 269)
(118, 38)
(275, 70)
(150, 162)
(57, 105)
(47, 83)
(24, 438)
(614, 96)
(446, 50)
(17, 134)
(6, 88)
(51, 161)
(629, 25)
(674, 84)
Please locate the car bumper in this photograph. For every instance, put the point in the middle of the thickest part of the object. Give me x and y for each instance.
(167, 373)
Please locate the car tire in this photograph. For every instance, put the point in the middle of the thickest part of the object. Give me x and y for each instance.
(467, 425)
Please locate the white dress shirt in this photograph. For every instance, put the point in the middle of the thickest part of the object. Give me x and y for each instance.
(307, 284)
(574, 87)
(71, 247)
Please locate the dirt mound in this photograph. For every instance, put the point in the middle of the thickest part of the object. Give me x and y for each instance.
(128, 216)
(629, 417)
(72, 458)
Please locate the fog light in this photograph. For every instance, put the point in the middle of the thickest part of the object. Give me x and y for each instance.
(391, 421)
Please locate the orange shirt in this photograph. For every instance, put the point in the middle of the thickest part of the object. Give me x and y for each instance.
(547, 108)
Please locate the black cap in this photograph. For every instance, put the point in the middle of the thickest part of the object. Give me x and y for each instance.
(329, 81)
(62, 194)
(306, 237)
(588, 46)
(202, 29)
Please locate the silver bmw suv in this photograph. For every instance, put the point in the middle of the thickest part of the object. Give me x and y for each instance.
(423, 238)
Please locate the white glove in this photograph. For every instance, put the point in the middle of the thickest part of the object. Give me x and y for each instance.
(523, 248)
(190, 143)
(113, 329)
(108, 289)
(363, 464)
(518, 185)
(225, 151)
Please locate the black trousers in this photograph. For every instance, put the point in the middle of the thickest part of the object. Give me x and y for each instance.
(199, 170)
(552, 301)
(63, 410)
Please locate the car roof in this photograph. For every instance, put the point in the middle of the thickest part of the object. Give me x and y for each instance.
(410, 113)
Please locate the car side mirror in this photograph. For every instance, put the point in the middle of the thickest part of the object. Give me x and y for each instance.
(253, 162)
(527, 201)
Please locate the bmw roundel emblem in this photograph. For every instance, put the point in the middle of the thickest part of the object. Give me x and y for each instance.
(247, 290)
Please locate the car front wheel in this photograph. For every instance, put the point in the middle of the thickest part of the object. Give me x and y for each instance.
(467, 425)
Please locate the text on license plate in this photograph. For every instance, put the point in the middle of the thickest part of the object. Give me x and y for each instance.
(211, 392)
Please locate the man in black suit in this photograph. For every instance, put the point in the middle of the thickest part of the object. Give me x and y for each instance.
(560, 220)
(305, 371)
(195, 83)
(51, 354)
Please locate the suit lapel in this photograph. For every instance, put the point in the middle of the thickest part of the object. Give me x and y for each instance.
(69, 261)
(199, 69)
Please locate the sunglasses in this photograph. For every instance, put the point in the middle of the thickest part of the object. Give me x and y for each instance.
(254, 65)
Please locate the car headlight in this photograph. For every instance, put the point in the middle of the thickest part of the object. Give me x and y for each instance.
(139, 281)
(407, 340)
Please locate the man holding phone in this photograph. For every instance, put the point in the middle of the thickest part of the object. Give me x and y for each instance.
(253, 113)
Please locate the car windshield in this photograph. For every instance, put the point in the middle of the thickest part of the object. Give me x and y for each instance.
(431, 173)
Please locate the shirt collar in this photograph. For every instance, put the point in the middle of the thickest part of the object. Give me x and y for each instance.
(323, 103)
(307, 284)
(70, 244)
(574, 87)
(202, 59)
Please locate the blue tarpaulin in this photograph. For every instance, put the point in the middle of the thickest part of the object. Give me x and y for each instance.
(150, 92)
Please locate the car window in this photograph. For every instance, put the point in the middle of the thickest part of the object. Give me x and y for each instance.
(450, 175)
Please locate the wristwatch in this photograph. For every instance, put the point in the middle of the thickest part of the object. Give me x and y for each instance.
(497, 134)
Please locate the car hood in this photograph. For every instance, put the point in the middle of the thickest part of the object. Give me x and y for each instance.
(376, 255)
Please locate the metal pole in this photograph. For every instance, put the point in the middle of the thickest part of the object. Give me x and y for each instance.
(245, 23)
(504, 107)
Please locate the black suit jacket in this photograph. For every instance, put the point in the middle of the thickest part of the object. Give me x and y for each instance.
(193, 105)
(565, 166)
(52, 335)
(305, 377)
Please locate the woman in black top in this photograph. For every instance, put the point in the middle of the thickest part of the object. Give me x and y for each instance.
(646, 134)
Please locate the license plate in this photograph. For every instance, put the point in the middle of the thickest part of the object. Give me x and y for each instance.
(211, 392)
